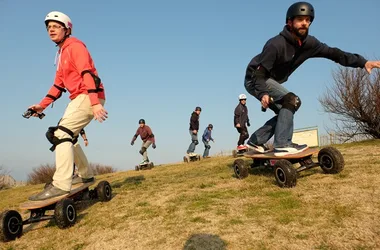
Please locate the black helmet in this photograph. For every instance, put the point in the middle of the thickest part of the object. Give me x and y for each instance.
(141, 121)
(300, 9)
(198, 109)
(210, 125)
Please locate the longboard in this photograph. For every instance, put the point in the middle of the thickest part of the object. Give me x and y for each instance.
(44, 203)
(148, 165)
(270, 155)
(192, 157)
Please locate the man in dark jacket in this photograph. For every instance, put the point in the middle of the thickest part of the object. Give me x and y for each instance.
(194, 127)
(280, 57)
(147, 138)
(241, 121)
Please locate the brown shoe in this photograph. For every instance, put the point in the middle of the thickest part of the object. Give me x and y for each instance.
(77, 179)
(48, 193)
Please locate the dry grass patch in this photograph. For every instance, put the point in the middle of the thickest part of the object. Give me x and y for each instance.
(185, 206)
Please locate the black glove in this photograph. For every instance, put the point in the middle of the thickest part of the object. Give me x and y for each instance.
(154, 145)
(132, 142)
(248, 124)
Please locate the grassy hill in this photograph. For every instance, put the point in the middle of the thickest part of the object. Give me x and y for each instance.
(201, 205)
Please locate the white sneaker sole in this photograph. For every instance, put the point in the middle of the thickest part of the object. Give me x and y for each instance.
(289, 153)
(261, 151)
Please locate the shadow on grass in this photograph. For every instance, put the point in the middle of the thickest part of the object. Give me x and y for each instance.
(257, 170)
(133, 180)
(204, 242)
(79, 218)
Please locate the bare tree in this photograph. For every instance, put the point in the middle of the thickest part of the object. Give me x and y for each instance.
(354, 101)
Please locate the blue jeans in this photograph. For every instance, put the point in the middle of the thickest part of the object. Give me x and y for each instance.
(194, 142)
(207, 148)
(281, 125)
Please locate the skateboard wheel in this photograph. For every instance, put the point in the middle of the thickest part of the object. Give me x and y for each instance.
(234, 153)
(11, 225)
(104, 191)
(241, 171)
(198, 157)
(65, 213)
(185, 159)
(137, 168)
(330, 160)
(151, 165)
(286, 175)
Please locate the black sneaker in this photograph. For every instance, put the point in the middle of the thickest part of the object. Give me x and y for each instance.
(289, 150)
(77, 179)
(48, 193)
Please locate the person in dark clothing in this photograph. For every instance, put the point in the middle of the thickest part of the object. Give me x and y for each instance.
(280, 57)
(241, 121)
(147, 138)
(206, 138)
(194, 127)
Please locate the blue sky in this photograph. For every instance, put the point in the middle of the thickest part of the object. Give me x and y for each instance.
(159, 60)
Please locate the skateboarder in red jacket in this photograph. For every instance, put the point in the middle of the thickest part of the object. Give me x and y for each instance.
(76, 73)
(147, 138)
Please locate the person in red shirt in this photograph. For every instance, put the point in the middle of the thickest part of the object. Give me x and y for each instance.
(76, 73)
(147, 137)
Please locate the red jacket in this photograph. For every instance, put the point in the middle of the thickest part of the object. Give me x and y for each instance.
(145, 134)
(73, 59)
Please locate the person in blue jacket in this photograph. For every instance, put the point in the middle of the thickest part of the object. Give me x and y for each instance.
(206, 138)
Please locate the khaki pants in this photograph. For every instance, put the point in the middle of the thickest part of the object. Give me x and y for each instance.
(78, 115)
(146, 146)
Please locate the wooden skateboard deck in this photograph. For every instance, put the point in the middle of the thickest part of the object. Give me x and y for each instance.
(270, 155)
(44, 203)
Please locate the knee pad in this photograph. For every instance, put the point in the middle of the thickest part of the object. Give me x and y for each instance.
(291, 102)
(55, 140)
(142, 150)
(208, 146)
(195, 142)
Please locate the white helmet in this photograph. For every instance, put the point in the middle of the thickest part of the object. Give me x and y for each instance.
(59, 17)
(242, 96)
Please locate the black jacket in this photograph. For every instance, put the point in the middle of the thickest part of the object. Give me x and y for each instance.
(241, 115)
(282, 55)
(194, 121)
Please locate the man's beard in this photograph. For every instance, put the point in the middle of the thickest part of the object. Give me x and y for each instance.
(299, 34)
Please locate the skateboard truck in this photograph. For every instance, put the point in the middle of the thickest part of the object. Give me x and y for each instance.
(27, 114)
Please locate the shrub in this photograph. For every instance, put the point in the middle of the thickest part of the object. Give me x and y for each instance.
(100, 169)
(42, 174)
(3, 173)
